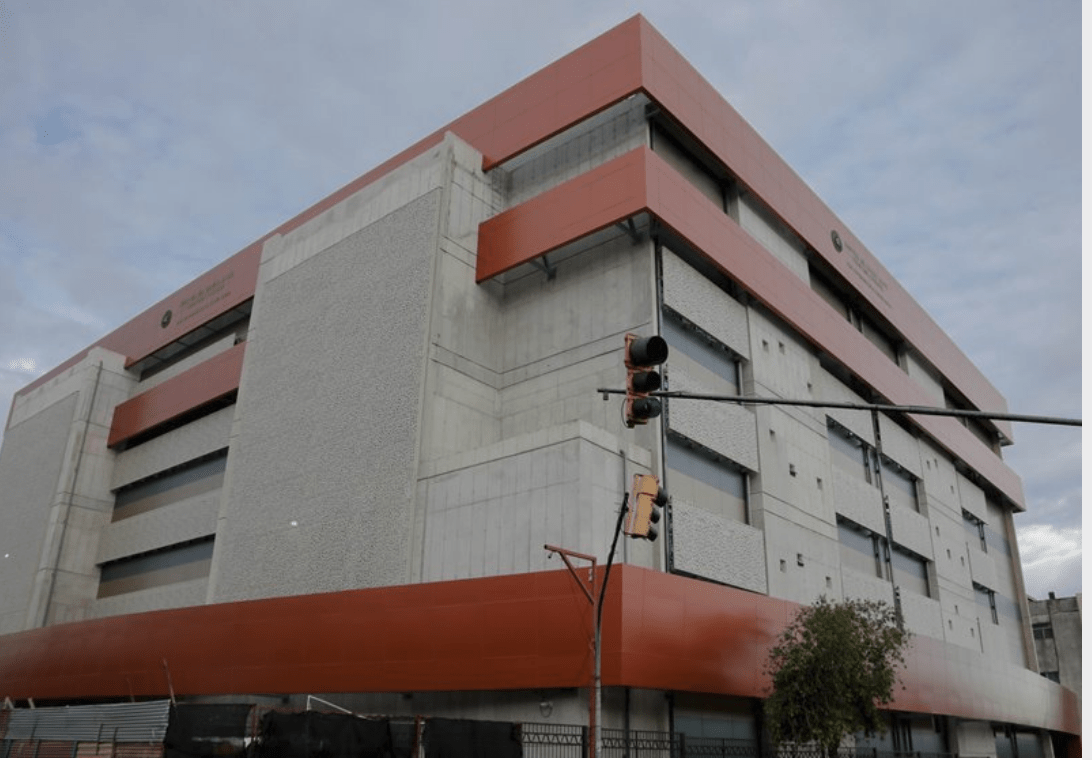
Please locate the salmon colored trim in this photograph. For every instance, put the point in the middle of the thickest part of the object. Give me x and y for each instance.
(215, 292)
(208, 381)
(681, 91)
(640, 181)
(503, 632)
(630, 58)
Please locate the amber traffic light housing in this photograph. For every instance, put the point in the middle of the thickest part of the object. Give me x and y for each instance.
(644, 515)
(642, 356)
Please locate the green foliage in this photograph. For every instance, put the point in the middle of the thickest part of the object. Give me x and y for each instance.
(832, 668)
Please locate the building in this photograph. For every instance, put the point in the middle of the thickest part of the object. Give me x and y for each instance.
(1056, 628)
(330, 465)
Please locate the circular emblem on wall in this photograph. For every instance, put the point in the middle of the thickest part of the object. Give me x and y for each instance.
(837, 240)
(166, 318)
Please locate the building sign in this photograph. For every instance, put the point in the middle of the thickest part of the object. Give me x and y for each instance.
(203, 298)
(861, 267)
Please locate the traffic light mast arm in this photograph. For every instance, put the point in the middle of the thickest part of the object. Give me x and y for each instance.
(895, 408)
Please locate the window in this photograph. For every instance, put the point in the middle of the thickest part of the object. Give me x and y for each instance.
(1042, 631)
(686, 338)
(705, 479)
(836, 297)
(911, 571)
(861, 549)
(1052, 675)
(900, 486)
(975, 526)
(185, 481)
(848, 452)
(186, 561)
(986, 599)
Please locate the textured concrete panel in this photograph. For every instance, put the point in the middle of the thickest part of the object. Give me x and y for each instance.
(728, 429)
(319, 483)
(721, 550)
(30, 465)
(200, 437)
(695, 297)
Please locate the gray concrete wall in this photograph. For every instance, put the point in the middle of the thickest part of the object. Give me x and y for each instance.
(1061, 651)
(324, 448)
(57, 471)
(30, 465)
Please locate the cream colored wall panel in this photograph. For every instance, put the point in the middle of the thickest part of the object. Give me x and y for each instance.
(703, 303)
(716, 548)
(727, 429)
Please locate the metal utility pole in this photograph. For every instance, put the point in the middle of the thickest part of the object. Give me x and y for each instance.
(595, 698)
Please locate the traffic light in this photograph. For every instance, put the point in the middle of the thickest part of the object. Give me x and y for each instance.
(641, 379)
(647, 498)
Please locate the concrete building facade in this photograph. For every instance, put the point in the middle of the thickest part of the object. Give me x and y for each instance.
(330, 464)
(1056, 629)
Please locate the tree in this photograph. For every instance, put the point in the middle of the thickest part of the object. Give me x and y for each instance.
(833, 667)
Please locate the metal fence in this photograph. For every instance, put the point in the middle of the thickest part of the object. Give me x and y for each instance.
(563, 740)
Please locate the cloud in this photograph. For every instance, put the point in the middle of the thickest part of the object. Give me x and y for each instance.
(1051, 558)
(144, 142)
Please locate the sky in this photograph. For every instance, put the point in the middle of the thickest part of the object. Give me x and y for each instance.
(142, 142)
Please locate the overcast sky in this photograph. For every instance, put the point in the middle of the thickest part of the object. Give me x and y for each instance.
(143, 142)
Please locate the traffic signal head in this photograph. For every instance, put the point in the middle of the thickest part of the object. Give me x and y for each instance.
(647, 499)
(642, 354)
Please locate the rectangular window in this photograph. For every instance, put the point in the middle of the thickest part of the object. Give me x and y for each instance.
(976, 527)
(1042, 631)
(185, 481)
(691, 340)
(911, 570)
(848, 452)
(860, 548)
(171, 564)
(986, 599)
(900, 486)
(705, 479)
